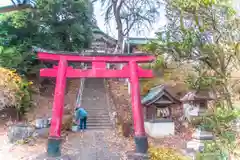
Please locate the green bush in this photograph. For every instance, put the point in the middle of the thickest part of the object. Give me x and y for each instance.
(16, 57)
(220, 123)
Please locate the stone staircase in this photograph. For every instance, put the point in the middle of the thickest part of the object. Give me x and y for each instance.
(98, 47)
(94, 100)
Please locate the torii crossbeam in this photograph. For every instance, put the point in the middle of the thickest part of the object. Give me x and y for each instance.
(99, 70)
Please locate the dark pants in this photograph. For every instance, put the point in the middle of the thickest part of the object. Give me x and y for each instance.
(83, 123)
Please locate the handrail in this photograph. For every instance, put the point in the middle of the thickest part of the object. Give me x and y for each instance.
(80, 91)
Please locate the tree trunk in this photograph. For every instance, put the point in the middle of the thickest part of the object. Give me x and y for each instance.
(120, 40)
(117, 15)
(227, 96)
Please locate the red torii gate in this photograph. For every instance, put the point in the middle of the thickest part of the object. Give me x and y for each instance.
(131, 70)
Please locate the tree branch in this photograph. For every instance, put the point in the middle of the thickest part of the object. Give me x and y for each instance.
(127, 30)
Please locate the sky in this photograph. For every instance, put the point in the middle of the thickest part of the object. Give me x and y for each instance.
(99, 13)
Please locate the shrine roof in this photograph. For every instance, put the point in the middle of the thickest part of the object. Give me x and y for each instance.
(156, 93)
(197, 96)
(139, 40)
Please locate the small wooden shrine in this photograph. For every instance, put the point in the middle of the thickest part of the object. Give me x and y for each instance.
(197, 98)
(195, 103)
(158, 103)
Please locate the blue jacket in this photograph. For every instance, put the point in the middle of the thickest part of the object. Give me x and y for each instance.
(81, 113)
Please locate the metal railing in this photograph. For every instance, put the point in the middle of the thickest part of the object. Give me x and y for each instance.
(80, 91)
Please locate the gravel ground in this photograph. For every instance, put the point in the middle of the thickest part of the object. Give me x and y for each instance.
(93, 145)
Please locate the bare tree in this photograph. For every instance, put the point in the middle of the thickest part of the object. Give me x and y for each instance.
(130, 14)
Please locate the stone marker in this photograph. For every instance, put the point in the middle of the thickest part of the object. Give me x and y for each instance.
(42, 123)
(195, 145)
(236, 125)
(202, 135)
(20, 132)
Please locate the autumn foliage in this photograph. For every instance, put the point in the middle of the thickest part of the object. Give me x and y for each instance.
(14, 90)
(164, 154)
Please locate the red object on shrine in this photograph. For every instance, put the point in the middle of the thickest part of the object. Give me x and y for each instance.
(99, 69)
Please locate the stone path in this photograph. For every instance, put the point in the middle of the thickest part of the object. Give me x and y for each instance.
(93, 146)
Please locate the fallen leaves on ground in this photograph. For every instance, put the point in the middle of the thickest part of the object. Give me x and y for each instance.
(122, 102)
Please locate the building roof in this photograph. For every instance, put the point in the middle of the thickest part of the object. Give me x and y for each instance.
(139, 41)
(97, 30)
(197, 96)
(159, 95)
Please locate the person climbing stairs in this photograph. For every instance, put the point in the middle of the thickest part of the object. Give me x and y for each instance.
(94, 101)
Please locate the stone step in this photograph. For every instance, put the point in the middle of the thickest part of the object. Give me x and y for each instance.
(93, 112)
(96, 109)
(99, 127)
(99, 123)
(98, 117)
(93, 103)
(97, 113)
(92, 117)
